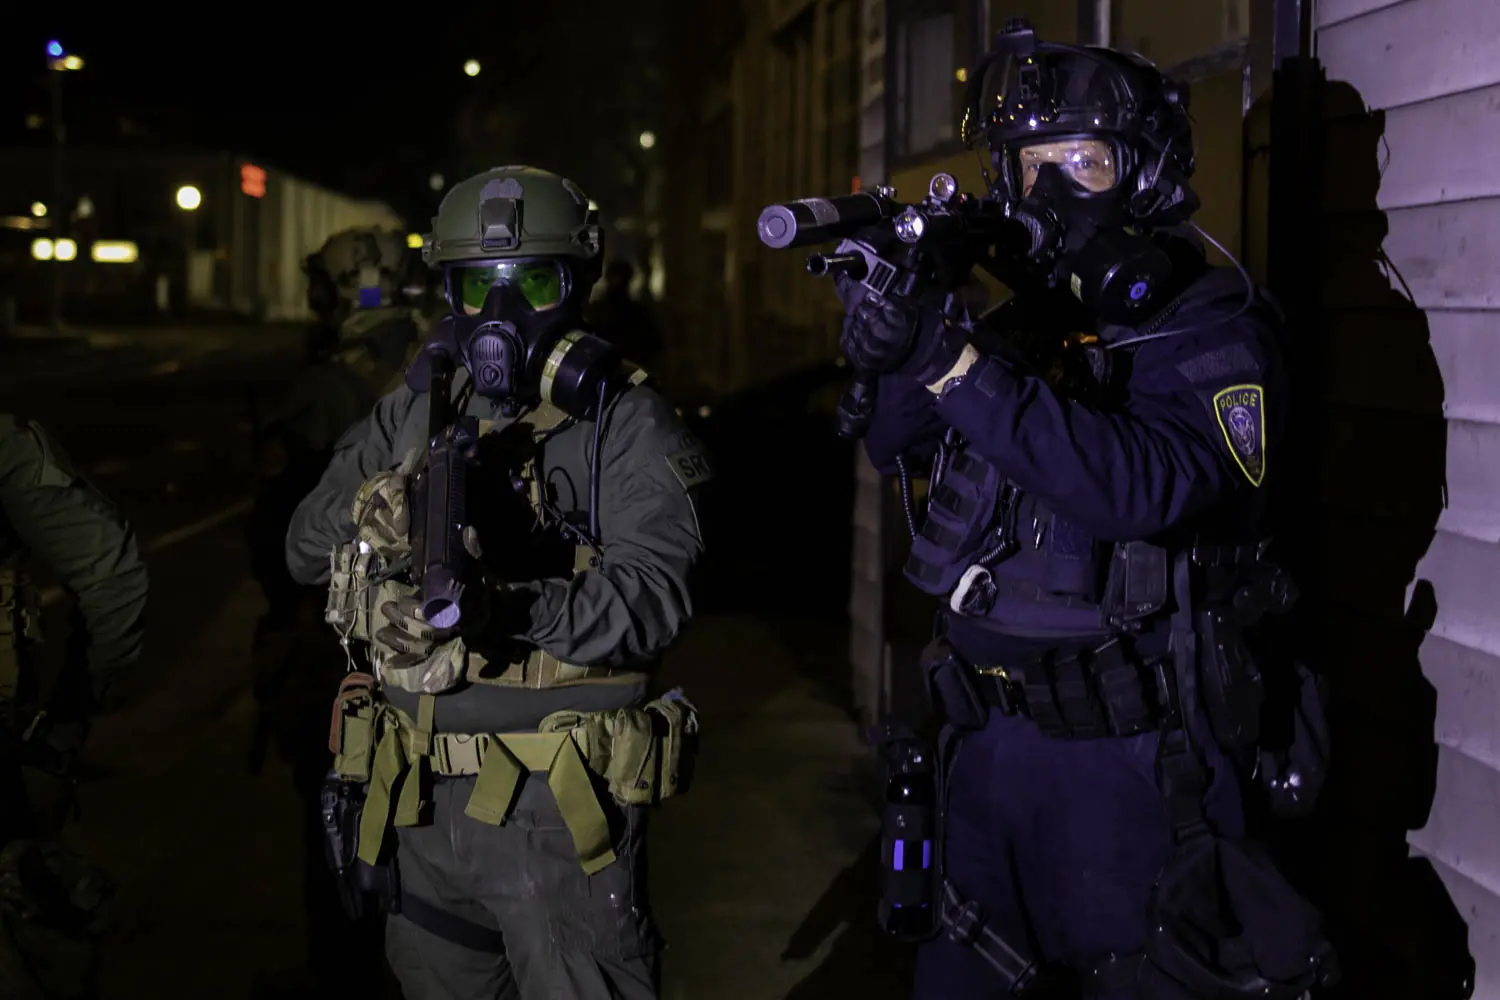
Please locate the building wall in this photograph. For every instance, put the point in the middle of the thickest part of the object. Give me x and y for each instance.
(1409, 505)
(233, 253)
(870, 653)
(770, 111)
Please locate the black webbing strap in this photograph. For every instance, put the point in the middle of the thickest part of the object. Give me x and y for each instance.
(450, 927)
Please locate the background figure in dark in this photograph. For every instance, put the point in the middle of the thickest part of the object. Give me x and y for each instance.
(55, 903)
(362, 336)
(624, 321)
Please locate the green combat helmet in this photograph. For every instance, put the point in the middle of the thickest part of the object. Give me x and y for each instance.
(359, 268)
(520, 249)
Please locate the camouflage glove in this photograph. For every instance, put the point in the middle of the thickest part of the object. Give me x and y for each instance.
(381, 519)
(428, 660)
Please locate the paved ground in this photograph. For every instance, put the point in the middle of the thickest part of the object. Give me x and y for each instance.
(763, 877)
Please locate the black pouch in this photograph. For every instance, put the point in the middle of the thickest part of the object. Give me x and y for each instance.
(951, 689)
(1292, 771)
(1226, 925)
(1229, 682)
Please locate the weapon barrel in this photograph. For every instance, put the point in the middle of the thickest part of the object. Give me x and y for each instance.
(819, 220)
(852, 264)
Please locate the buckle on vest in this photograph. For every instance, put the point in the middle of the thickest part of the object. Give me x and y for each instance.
(1003, 686)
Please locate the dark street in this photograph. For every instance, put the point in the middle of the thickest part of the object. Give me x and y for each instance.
(1045, 442)
(759, 876)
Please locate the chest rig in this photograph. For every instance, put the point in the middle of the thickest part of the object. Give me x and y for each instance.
(1004, 559)
(362, 581)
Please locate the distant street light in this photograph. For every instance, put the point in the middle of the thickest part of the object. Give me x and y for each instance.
(38, 209)
(41, 249)
(471, 68)
(189, 198)
(85, 207)
(648, 139)
(59, 61)
(435, 182)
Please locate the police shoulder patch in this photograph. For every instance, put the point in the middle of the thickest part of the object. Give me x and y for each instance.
(1241, 412)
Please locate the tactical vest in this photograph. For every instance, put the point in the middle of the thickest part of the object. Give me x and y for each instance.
(1003, 558)
(359, 586)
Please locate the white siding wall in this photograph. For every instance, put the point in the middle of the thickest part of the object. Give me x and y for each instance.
(1433, 68)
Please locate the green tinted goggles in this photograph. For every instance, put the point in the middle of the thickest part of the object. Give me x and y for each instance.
(542, 283)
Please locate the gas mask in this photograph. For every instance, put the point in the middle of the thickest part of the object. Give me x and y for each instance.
(1092, 152)
(1085, 240)
(524, 343)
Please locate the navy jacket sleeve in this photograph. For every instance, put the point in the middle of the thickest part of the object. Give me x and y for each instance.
(1202, 414)
(903, 425)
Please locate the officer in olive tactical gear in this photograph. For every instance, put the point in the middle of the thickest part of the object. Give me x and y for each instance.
(500, 720)
(52, 904)
(1094, 534)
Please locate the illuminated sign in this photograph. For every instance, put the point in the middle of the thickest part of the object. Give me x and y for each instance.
(252, 180)
(114, 252)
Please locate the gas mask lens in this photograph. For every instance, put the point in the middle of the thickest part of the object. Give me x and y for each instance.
(542, 283)
(1089, 164)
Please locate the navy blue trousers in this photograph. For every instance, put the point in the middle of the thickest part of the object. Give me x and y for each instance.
(1059, 841)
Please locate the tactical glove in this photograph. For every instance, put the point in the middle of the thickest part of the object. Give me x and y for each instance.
(894, 335)
(380, 514)
(428, 660)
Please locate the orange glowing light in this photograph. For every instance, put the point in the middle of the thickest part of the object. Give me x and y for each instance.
(252, 180)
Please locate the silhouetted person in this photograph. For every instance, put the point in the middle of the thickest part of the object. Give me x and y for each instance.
(624, 321)
(1355, 554)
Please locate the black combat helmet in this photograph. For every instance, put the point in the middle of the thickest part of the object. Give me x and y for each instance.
(1114, 125)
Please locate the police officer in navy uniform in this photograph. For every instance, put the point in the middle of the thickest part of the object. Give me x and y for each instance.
(1080, 504)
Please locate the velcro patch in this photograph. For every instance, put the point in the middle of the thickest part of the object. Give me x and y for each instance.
(1241, 412)
(1222, 363)
(690, 467)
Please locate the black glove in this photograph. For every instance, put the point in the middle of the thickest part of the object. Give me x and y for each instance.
(896, 335)
(879, 332)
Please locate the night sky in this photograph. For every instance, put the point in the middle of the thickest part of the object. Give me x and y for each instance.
(365, 104)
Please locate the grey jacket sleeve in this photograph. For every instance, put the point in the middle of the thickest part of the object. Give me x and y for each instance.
(321, 522)
(637, 601)
(68, 526)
